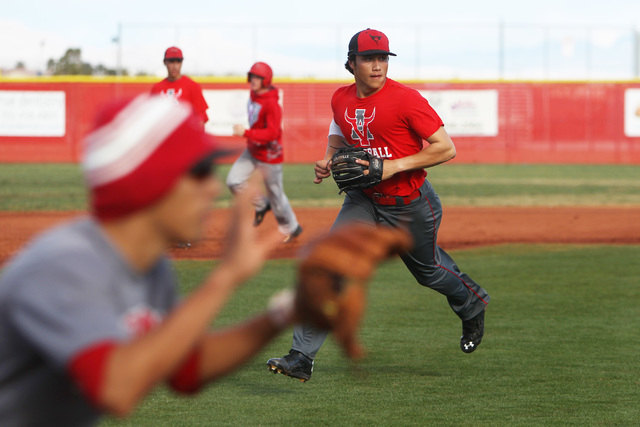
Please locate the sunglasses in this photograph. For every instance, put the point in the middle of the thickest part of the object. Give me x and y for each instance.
(203, 169)
(174, 60)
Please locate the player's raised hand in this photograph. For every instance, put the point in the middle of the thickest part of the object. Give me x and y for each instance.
(245, 252)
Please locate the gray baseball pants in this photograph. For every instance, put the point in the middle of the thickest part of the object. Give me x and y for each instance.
(430, 265)
(272, 176)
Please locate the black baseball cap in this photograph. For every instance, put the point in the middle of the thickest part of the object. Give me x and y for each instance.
(369, 42)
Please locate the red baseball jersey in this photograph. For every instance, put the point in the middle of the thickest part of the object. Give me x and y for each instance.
(265, 135)
(389, 124)
(184, 90)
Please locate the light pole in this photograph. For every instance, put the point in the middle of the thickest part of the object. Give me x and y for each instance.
(118, 41)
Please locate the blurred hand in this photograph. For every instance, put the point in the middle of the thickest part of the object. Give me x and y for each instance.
(244, 252)
(238, 130)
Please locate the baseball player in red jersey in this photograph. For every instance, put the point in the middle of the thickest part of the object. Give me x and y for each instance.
(392, 121)
(179, 86)
(90, 317)
(264, 152)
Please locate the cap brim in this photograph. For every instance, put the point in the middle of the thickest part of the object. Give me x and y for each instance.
(210, 152)
(203, 166)
(374, 52)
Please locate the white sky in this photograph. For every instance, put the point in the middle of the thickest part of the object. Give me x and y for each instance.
(444, 39)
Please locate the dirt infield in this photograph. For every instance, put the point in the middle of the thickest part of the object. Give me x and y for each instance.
(462, 227)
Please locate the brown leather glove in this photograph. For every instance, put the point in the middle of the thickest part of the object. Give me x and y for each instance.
(333, 274)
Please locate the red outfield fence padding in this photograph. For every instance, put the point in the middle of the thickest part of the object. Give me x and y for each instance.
(490, 122)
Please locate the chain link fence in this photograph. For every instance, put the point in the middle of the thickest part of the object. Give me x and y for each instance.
(426, 51)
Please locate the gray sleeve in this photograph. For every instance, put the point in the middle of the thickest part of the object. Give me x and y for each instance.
(166, 296)
(62, 308)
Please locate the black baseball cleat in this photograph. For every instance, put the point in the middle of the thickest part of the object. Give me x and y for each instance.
(290, 237)
(260, 215)
(294, 364)
(472, 333)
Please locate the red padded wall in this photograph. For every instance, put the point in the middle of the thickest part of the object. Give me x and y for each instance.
(538, 122)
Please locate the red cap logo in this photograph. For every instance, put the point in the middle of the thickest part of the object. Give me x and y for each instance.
(173, 53)
(369, 42)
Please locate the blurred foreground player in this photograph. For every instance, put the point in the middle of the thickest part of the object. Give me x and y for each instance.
(90, 319)
(180, 87)
(264, 152)
(390, 122)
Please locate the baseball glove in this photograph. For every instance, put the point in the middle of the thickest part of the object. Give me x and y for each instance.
(333, 274)
(350, 175)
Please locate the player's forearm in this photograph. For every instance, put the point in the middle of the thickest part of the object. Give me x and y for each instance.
(333, 144)
(428, 157)
(226, 350)
(439, 150)
(135, 367)
(270, 132)
(262, 136)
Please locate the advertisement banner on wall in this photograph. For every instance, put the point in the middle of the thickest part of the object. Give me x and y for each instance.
(227, 107)
(632, 112)
(466, 112)
(32, 113)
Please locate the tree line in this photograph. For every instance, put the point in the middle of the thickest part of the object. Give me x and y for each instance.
(71, 63)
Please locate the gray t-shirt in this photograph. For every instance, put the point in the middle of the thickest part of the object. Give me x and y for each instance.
(68, 290)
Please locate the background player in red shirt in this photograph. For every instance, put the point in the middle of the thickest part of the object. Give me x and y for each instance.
(182, 89)
(264, 152)
(392, 121)
(179, 86)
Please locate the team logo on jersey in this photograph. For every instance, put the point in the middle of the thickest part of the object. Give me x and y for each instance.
(171, 93)
(360, 126)
(254, 111)
(274, 150)
(140, 319)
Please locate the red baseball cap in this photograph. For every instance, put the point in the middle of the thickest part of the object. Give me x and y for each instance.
(369, 42)
(173, 53)
(138, 150)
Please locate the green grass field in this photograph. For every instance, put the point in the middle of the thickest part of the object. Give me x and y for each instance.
(561, 345)
(43, 187)
(561, 349)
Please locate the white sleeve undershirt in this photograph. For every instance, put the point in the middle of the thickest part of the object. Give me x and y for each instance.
(334, 129)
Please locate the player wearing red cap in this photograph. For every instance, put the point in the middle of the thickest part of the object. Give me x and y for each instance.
(392, 122)
(264, 152)
(179, 86)
(90, 318)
